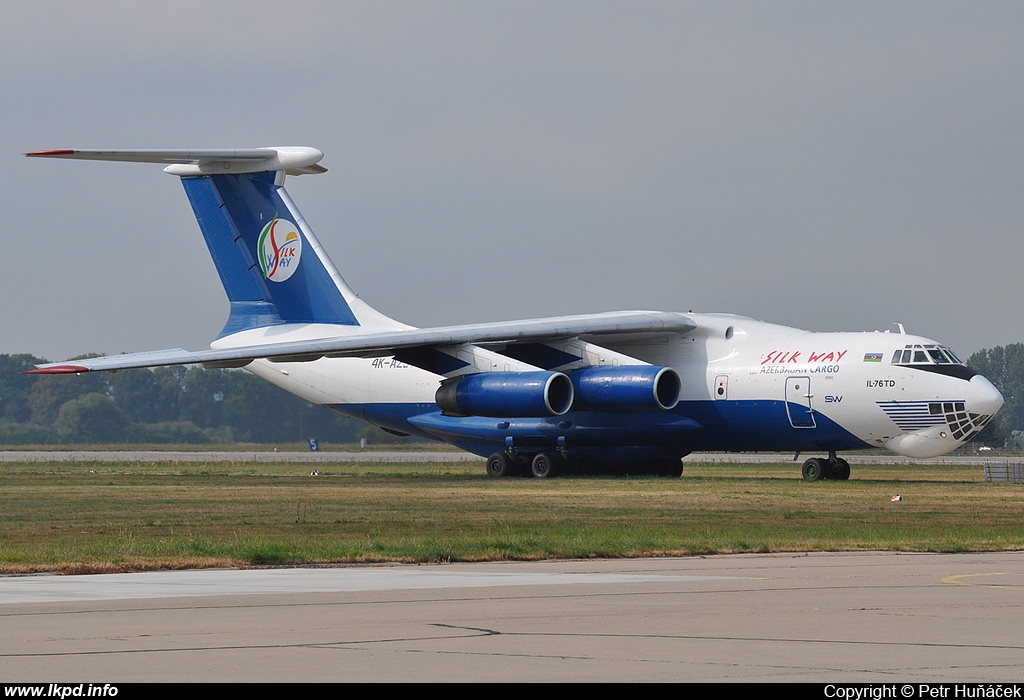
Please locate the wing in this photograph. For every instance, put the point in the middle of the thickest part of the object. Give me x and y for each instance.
(357, 343)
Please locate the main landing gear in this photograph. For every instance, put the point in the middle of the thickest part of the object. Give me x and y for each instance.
(544, 465)
(547, 465)
(832, 469)
(500, 465)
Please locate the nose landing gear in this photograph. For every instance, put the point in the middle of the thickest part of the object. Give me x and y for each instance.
(832, 469)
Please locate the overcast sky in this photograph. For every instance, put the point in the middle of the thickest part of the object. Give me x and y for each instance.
(825, 165)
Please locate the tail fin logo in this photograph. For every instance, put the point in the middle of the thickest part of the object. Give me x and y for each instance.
(280, 248)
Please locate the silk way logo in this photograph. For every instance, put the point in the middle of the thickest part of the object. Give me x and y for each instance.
(280, 248)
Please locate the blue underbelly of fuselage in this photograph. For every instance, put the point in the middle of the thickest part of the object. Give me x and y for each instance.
(690, 426)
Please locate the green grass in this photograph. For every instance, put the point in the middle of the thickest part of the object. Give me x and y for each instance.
(81, 517)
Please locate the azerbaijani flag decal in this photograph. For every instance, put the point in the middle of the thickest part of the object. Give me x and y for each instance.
(872, 357)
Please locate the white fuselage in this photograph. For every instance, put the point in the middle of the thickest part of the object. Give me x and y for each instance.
(751, 385)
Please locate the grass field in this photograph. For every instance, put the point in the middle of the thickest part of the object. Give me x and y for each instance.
(99, 517)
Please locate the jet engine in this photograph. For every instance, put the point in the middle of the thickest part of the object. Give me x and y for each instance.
(506, 394)
(626, 388)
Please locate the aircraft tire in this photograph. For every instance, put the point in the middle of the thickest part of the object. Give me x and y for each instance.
(500, 465)
(544, 465)
(674, 468)
(668, 467)
(813, 469)
(841, 470)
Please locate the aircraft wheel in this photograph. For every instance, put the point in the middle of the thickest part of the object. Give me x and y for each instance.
(841, 470)
(675, 468)
(668, 467)
(814, 469)
(500, 465)
(544, 466)
(573, 464)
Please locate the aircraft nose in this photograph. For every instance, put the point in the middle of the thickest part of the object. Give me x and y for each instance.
(982, 397)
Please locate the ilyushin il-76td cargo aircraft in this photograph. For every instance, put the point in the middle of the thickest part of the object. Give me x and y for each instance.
(623, 392)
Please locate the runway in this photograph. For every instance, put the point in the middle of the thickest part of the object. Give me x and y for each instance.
(830, 617)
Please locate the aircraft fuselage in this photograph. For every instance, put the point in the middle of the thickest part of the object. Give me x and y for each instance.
(746, 385)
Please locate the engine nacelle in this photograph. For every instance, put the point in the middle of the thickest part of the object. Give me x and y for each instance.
(626, 388)
(506, 394)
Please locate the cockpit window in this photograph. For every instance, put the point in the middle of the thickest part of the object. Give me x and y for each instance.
(925, 355)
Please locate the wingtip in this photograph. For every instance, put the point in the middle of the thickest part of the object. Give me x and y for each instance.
(58, 369)
(51, 153)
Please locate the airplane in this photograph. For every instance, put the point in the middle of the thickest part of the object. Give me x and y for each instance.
(627, 392)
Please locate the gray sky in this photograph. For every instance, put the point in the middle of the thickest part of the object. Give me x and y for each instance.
(825, 165)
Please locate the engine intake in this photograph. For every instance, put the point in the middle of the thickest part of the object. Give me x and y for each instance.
(626, 388)
(506, 394)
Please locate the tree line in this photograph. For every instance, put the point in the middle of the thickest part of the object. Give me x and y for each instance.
(1004, 367)
(195, 405)
(187, 405)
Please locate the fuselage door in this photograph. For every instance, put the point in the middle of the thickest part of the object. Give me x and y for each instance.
(798, 402)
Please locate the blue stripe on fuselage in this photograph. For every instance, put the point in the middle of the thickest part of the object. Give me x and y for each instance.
(763, 425)
(691, 426)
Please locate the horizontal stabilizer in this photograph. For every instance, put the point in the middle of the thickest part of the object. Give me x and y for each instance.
(294, 160)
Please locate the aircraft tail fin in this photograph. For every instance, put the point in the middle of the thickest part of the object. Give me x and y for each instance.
(272, 266)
